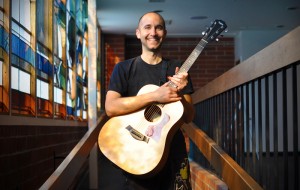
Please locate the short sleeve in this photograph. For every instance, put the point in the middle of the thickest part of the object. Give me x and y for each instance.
(118, 82)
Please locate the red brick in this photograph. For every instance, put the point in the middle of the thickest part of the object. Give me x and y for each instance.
(204, 179)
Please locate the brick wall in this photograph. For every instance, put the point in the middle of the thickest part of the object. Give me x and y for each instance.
(114, 53)
(30, 154)
(214, 60)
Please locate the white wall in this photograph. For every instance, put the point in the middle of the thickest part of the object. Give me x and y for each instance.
(247, 43)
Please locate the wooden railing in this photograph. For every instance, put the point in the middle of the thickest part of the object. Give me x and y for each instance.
(278, 55)
(232, 174)
(247, 119)
(63, 177)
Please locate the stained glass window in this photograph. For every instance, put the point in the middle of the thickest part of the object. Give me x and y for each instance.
(77, 57)
(81, 58)
(22, 59)
(44, 66)
(60, 71)
(47, 68)
(71, 59)
(4, 58)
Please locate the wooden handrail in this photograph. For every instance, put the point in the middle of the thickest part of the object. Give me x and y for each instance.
(275, 56)
(67, 171)
(12, 120)
(232, 174)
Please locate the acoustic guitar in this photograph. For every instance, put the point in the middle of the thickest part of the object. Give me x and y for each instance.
(139, 142)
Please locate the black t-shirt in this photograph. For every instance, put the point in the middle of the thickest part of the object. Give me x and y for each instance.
(131, 75)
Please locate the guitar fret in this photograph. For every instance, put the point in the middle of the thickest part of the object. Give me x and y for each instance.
(171, 84)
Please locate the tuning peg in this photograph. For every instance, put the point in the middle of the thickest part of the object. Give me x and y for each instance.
(203, 33)
(217, 39)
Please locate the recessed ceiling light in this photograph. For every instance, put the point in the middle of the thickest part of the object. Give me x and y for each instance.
(168, 22)
(292, 8)
(280, 26)
(156, 1)
(158, 11)
(199, 17)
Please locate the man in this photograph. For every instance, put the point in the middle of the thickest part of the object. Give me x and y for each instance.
(127, 79)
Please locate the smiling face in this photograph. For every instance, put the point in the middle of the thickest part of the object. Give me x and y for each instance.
(151, 31)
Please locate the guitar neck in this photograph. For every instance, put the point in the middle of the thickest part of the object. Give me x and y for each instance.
(191, 59)
(217, 27)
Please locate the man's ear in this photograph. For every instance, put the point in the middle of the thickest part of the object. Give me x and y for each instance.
(165, 33)
(137, 33)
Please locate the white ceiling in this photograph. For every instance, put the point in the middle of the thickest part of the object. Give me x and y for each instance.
(121, 16)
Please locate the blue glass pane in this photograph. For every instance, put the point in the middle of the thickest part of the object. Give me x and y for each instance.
(14, 44)
(44, 65)
(71, 7)
(22, 50)
(69, 110)
(39, 64)
(1, 36)
(60, 13)
(50, 69)
(4, 42)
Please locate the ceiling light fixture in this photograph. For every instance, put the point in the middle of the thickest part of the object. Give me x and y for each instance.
(156, 1)
(198, 17)
(280, 26)
(158, 11)
(168, 22)
(292, 8)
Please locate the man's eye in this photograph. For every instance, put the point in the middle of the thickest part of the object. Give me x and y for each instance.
(159, 27)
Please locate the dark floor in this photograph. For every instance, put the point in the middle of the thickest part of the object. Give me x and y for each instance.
(108, 174)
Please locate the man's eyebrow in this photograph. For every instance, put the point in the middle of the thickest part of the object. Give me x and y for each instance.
(146, 25)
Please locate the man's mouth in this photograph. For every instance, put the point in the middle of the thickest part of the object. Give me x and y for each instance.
(153, 40)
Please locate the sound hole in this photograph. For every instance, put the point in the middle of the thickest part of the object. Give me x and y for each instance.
(152, 113)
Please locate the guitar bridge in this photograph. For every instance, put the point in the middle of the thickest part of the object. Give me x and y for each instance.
(136, 134)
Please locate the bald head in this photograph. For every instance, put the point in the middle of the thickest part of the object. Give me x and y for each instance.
(161, 18)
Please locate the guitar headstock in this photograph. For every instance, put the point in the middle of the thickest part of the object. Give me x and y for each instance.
(217, 27)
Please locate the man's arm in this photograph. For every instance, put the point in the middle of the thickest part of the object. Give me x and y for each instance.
(116, 105)
(189, 110)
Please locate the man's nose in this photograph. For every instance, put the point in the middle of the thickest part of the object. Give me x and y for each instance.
(153, 31)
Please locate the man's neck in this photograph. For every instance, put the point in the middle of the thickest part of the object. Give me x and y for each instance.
(151, 58)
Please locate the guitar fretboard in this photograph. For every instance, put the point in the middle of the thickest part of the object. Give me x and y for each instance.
(191, 59)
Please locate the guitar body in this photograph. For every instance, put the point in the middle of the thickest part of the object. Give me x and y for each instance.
(138, 142)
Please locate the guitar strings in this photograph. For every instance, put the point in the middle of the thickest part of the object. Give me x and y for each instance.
(150, 116)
